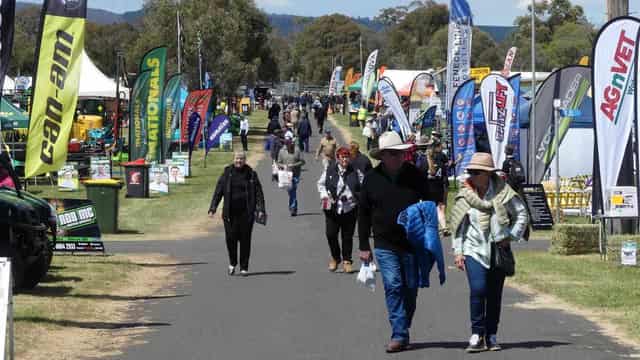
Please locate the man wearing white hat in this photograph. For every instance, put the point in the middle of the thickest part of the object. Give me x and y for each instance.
(387, 190)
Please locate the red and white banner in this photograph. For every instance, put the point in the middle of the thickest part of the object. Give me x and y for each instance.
(508, 61)
(613, 95)
(498, 106)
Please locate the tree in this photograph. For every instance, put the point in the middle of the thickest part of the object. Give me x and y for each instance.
(570, 42)
(550, 20)
(234, 37)
(25, 38)
(103, 41)
(415, 31)
(329, 40)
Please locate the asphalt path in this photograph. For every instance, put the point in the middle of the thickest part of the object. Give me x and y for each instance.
(291, 307)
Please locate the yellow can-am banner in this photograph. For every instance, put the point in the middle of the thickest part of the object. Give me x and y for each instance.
(56, 85)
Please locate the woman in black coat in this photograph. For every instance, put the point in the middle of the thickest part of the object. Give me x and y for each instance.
(244, 203)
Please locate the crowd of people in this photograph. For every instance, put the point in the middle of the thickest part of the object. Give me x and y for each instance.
(400, 203)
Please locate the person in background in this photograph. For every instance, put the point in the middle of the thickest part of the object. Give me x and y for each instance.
(387, 190)
(487, 212)
(244, 132)
(290, 159)
(304, 132)
(437, 174)
(274, 111)
(359, 160)
(339, 188)
(240, 187)
(276, 146)
(327, 148)
(514, 170)
(295, 117)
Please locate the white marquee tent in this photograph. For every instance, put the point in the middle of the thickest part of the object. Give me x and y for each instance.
(93, 83)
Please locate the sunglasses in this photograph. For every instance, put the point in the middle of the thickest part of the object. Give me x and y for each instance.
(475, 172)
(395, 153)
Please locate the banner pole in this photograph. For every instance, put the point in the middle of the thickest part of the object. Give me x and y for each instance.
(556, 109)
(532, 118)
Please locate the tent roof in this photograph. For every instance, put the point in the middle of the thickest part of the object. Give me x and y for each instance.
(12, 117)
(402, 79)
(9, 84)
(93, 83)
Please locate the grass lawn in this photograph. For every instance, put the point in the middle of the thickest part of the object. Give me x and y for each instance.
(162, 216)
(610, 290)
(355, 132)
(80, 299)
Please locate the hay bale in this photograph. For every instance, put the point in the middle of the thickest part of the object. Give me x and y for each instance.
(575, 239)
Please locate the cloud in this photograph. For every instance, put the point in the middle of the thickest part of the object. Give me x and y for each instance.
(273, 3)
(522, 4)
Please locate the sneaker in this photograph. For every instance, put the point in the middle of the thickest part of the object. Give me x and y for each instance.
(231, 270)
(294, 212)
(476, 344)
(333, 265)
(347, 267)
(244, 273)
(492, 343)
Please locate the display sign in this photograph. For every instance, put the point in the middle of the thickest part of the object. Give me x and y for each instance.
(479, 73)
(68, 178)
(628, 253)
(78, 229)
(226, 142)
(159, 182)
(100, 168)
(177, 170)
(183, 156)
(539, 212)
(621, 201)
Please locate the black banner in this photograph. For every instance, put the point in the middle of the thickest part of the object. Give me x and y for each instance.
(78, 229)
(7, 17)
(539, 212)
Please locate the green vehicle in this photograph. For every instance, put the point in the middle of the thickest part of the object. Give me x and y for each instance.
(27, 232)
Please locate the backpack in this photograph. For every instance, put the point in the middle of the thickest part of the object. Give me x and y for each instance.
(516, 174)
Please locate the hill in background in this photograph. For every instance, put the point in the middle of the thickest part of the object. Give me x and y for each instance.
(285, 25)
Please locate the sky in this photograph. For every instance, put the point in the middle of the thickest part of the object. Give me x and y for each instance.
(485, 12)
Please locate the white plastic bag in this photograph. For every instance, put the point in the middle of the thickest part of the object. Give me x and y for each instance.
(285, 179)
(367, 277)
(274, 169)
(366, 132)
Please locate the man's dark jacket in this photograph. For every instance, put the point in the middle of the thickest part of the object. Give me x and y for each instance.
(255, 196)
(362, 163)
(383, 199)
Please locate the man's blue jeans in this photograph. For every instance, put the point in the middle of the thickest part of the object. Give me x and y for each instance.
(400, 278)
(485, 298)
(293, 196)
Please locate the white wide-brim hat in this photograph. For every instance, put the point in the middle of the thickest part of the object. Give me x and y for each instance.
(390, 140)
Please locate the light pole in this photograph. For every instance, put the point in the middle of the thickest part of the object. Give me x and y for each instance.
(532, 120)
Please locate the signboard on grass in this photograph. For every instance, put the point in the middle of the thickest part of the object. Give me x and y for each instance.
(100, 168)
(78, 229)
(159, 182)
(539, 212)
(628, 253)
(177, 170)
(68, 178)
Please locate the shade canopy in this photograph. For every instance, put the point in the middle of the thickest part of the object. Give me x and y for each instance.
(94, 83)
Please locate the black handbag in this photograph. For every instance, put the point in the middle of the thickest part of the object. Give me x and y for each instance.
(503, 260)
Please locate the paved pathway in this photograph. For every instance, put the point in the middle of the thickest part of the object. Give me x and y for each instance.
(291, 307)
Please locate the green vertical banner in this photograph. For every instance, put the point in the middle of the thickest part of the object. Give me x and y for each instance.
(56, 84)
(155, 62)
(171, 106)
(138, 117)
